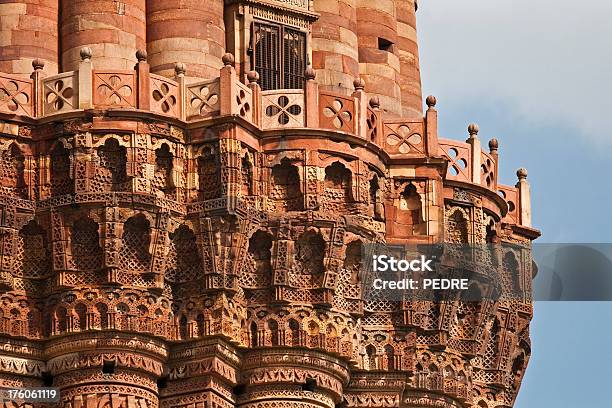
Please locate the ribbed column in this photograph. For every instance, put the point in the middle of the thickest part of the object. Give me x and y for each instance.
(112, 369)
(114, 30)
(94, 388)
(187, 31)
(28, 31)
(379, 63)
(408, 52)
(334, 44)
(289, 378)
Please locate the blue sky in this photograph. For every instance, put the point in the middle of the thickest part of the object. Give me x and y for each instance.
(537, 75)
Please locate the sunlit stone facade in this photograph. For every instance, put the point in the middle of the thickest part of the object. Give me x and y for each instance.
(172, 235)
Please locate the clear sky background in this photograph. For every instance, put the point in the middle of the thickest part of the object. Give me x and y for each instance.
(537, 75)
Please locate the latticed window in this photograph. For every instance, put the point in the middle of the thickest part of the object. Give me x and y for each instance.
(60, 171)
(134, 255)
(279, 56)
(32, 251)
(12, 172)
(86, 251)
(184, 262)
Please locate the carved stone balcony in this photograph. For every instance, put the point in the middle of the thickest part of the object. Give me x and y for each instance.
(354, 118)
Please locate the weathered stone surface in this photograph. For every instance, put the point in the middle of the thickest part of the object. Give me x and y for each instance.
(28, 30)
(197, 243)
(191, 32)
(114, 30)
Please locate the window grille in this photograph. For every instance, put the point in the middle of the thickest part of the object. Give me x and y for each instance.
(279, 56)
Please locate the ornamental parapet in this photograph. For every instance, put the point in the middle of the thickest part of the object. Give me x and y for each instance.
(179, 105)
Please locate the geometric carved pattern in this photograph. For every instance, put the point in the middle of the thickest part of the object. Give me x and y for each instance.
(134, 254)
(209, 174)
(162, 179)
(86, 252)
(111, 173)
(203, 99)
(283, 109)
(337, 187)
(184, 263)
(164, 96)
(487, 171)
(400, 138)
(61, 183)
(286, 194)
(336, 112)
(115, 89)
(33, 252)
(263, 272)
(12, 172)
(60, 94)
(15, 95)
(459, 160)
(243, 96)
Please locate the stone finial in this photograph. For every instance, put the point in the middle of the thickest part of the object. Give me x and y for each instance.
(375, 102)
(141, 56)
(493, 145)
(253, 76)
(359, 84)
(521, 173)
(431, 101)
(86, 54)
(179, 69)
(228, 59)
(38, 64)
(310, 73)
(473, 129)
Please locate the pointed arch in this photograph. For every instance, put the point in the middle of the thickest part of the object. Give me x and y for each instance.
(260, 254)
(112, 171)
(273, 328)
(376, 199)
(310, 253)
(34, 252)
(12, 172)
(209, 174)
(102, 311)
(512, 276)
(81, 312)
(294, 332)
(254, 331)
(183, 332)
(410, 212)
(184, 263)
(61, 183)
(246, 172)
(134, 255)
(164, 162)
(337, 186)
(285, 187)
(457, 228)
(352, 260)
(85, 246)
(371, 358)
(390, 363)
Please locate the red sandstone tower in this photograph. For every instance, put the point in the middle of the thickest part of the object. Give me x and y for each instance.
(184, 205)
